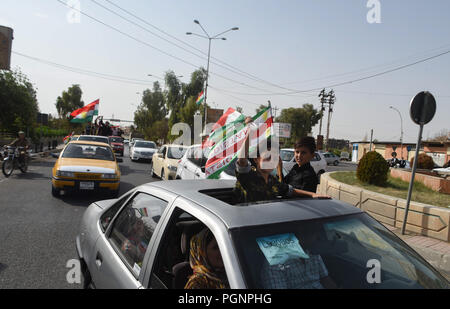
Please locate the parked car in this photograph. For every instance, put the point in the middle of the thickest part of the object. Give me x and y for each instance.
(86, 166)
(142, 240)
(94, 138)
(318, 163)
(345, 156)
(117, 144)
(331, 158)
(142, 150)
(165, 161)
(444, 172)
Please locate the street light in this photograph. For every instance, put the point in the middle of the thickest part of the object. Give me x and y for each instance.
(401, 128)
(210, 38)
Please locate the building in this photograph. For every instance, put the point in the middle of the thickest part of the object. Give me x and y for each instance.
(439, 151)
(338, 144)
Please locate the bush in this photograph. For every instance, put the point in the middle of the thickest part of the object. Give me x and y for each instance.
(373, 169)
(424, 162)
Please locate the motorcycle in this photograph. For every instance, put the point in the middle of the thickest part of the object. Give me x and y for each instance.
(396, 163)
(15, 157)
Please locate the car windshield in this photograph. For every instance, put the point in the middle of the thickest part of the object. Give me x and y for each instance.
(116, 139)
(94, 139)
(139, 144)
(286, 155)
(176, 152)
(347, 252)
(80, 151)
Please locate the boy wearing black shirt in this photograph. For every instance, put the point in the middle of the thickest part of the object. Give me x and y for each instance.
(302, 176)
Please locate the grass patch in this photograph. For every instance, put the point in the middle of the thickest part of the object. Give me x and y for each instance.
(397, 188)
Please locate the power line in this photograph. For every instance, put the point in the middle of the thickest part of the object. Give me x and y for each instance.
(225, 65)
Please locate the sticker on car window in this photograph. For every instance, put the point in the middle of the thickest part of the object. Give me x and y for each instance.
(137, 268)
(280, 248)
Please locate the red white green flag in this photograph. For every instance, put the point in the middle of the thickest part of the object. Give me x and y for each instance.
(86, 113)
(201, 98)
(225, 150)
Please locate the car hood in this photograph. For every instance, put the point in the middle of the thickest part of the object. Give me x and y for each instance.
(86, 165)
(117, 144)
(144, 149)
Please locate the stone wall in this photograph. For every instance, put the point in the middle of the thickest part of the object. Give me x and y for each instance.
(423, 219)
(437, 184)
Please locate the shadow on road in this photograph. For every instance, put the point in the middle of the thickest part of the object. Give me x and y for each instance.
(126, 170)
(80, 198)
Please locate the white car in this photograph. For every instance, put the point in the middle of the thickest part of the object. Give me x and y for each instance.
(94, 138)
(318, 163)
(445, 171)
(142, 150)
(165, 161)
(192, 166)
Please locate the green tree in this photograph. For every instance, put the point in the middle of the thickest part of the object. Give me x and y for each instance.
(69, 101)
(302, 120)
(18, 103)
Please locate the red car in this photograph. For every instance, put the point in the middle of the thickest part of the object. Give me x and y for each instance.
(116, 143)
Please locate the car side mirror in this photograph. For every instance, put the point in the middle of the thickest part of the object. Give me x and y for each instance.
(160, 155)
(119, 160)
(55, 155)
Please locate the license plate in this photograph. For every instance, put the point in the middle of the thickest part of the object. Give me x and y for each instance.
(87, 186)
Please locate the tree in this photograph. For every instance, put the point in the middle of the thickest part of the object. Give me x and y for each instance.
(69, 101)
(18, 102)
(261, 108)
(301, 119)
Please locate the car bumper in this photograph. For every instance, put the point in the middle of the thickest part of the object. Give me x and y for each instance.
(74, 184)
(141, 157)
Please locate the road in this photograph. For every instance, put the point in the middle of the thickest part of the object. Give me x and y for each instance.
(37, 231)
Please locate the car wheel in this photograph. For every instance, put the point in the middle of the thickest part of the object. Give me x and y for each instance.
(336, 163)
(162, 174)
(152, 172)
(56, 192)
(87, 281)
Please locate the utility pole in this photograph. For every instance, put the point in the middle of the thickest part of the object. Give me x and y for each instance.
(331, 100)
(322, 97)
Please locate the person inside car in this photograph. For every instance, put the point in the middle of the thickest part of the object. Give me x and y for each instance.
(302, 176)
(255, 182)
(206, 262)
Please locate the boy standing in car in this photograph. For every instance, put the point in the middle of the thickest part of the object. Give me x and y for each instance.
(302, 176)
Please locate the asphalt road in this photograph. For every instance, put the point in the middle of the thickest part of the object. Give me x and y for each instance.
(37, 231)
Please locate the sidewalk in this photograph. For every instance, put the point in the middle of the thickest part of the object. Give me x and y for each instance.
(436, 252)
(37, 155)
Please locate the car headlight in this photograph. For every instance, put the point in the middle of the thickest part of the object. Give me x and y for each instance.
(109, 176)
(136, 152)
(64, 174)
(172, 168)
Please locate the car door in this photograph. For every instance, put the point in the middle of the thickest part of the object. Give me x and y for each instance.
(120, 252)
(158, 162)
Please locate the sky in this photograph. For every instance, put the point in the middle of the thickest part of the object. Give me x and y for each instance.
(286, 46)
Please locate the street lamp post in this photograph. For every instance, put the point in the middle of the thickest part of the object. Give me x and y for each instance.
(401, 129)
(210, 38)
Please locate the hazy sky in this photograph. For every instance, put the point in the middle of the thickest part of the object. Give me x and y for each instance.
(299, 45)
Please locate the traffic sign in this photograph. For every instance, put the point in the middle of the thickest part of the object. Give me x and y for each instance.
(422, 108)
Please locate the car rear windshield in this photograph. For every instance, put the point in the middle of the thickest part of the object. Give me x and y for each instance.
(176, 152)
(286, 155)
(145, 145)
(347, 252)
(116, 139)
(94, 139)
(79, 151)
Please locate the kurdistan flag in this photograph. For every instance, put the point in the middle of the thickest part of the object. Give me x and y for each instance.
(201, 98)
(225, 150)
(86, 113)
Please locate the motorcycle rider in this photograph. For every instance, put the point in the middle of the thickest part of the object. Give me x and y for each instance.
(21, 142)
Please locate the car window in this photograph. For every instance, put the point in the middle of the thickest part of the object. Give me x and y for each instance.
(107, 217)
(171, 269)
(93, 152)
(116, 140)
(286, 155)
(176, 152)
(94, 139)
(140, 144)
(195, 156)
(315, 253)
(133, 228)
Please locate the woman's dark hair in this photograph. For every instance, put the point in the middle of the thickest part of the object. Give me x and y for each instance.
(308, 142)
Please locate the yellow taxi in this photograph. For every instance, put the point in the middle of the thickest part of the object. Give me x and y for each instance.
(86, 166)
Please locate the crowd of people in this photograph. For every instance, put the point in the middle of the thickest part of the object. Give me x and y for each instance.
(102, 128)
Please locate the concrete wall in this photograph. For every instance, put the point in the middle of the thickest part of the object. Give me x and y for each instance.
(423, 219)
(437, 184)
